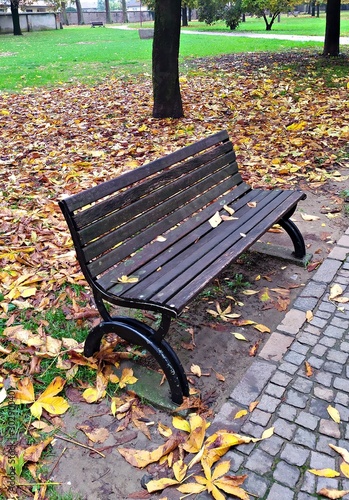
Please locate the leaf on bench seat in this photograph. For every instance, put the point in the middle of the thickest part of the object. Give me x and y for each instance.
(215, 220)
(128, 279)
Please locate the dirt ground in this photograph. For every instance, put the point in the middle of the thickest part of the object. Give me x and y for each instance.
(223, 359)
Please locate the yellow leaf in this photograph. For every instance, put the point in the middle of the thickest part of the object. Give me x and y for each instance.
(33, 453)
(195, 370)
(28, 292)
(160, 484)
(334, 414)
(181, 424)
(308, 369)
(324, 472)
(127, 378)
(240, 414)
(142, 458)
(332, 494)
(239, 336)
(215, 220)
(164, 430)
(308, 217)
(250, 292)
(55, 405)
(262, 328)
(36, 410)
(335, 291)
(197, 434)
(309, 315)
(268, 433)
(128, 279)
(25, 393)
(342, 451)
(91, 395)
(179, 470)
(191, 488)
(344, 469)
(253, 405)
(221, 469)
(230, 211)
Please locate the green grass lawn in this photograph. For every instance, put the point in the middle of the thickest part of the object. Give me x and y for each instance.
(289, 25)
(82, 54)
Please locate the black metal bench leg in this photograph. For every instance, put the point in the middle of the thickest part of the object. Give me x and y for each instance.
(137, 333)
(296, 237)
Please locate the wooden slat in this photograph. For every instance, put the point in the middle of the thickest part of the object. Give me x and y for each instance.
(105, 189)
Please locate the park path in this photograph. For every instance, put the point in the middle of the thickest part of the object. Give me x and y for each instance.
(344, 40)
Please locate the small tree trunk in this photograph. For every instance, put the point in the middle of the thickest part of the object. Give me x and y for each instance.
(64, 14)
(333, 12)
(107, 12)
(124, 11)
(15, 18)
(184, 16)
(166, 90)
(79, 12)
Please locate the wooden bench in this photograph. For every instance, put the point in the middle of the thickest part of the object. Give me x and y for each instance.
(152, 224)
(97, 23)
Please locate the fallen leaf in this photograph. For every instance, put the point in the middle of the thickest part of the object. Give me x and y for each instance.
(324, 472)
(309, 315)
(334, 414)
(215, 220)
(128, 279)
(308, 217)
(261, 328)
(344, 467)
(342, 451)
(335, 291)
(240, 414)
(239, 336)
(308, 369)
(196, 370)
(332, 494)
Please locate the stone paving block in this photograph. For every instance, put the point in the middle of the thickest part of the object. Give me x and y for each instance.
(314, 330)
(344, 346)
(342, 398)
(288, 368)
(324, 393)
(286, 474)
(272, 445)
(340, 322)
(236, 460)
(334, 332)
(319, 350)
(260, 417)
(281, 379)
(322, 445)
(316, 362)
(329, 428)
(294, 454)
(339, 253)
(321, 461)
(323, 314)
(308, 338)
(304, 496)
(307, 420)
(318, 407)
(287, 412)
(316, 321)
(327, 306)
(256, 485)
(278, 492)
(298, 347)
(326, 482)
(305, 438)
(276, 346)
(302, 384)
(253, 430)
(259, 462)
(284, 429)
(297, 399)
(292, 322)
(327, 271)
(225, 418)
(268, 403)
(275, 390)
(344, 241)
(332, 367)
(337, 356)
(324, 378)
(294, 357)
(253, 382)
(327, 341)
(308, 482)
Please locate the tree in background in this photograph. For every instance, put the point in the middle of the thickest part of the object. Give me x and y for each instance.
(210, 11)
(268, 9)
(15, 17)
(332, 33)
(166, 89)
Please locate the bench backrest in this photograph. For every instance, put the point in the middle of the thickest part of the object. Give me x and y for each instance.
(111, 221)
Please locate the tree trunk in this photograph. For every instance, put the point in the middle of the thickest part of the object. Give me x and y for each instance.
(124, 11)
(64, 14)
(107, 12)
(184, 16)
(79, 12)
(15, 18)
(333, 12)
(166, 90)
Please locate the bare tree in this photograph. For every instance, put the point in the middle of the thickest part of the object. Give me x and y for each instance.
(15, 17)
